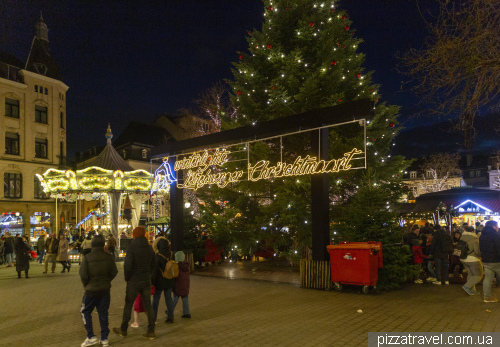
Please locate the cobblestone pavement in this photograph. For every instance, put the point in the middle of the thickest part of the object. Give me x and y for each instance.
(44, 311)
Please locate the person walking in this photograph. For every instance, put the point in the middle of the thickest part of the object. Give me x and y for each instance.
(79, 246)
(489, 245)
(62, 254)
(440, 249)
(9, 249)
(472, 263)
(138, 267)
(22, 257)
(51, 248)
(97, 271)
(2, 251)
(40, 245)
(181, 287)
(111, 244)
(162, 284)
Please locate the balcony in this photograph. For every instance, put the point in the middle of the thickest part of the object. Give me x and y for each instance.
(10, 72)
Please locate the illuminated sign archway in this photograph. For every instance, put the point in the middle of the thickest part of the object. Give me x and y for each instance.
(231, 164)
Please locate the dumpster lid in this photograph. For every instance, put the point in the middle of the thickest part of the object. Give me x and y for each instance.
(355, 246)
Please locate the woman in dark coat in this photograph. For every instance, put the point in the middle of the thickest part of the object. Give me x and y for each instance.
(22, 256)
(162, 285)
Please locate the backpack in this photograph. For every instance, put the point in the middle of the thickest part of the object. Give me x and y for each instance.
(461, 250)
(446, 243)
(171, 269)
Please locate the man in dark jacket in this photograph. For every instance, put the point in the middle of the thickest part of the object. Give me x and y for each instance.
(489, 244)
(163, 285)
(51, 248)
(139, 264)
(97, 271)
(9, 249)
(440, 249)
(41, 248)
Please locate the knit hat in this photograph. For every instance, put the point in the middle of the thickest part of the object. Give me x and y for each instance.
(139, 232)
(180, 256)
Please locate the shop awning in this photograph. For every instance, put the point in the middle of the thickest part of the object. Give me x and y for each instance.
(418, 207)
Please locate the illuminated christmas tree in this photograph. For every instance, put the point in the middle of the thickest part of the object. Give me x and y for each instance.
(305, 57)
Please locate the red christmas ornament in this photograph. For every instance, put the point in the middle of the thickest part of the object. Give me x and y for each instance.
(98, 218)
(374, 139)
(92, 213)
(333, 10)
(248, 32)
(288, 8)
(345, 177)
(311, 24)
(269, 46)
(371, 90)
(241, 56)
(344, 17)
(340, 100)
(238, 92)
(358, 75)
(343, 46)
(274, 87)
(270, 8)
(334, 63)
(346, 28)
(392, 125)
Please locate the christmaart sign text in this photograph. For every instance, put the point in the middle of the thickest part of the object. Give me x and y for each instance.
(204, 168)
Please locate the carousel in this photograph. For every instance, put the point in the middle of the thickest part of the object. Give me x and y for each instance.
(107, 189)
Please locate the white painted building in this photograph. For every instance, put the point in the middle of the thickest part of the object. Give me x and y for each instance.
(32, 136)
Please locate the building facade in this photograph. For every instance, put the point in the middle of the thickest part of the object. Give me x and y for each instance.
(32, 137)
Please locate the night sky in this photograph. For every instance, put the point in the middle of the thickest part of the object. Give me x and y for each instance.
(126, 62)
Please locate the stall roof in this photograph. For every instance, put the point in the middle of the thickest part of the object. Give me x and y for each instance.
(161, 220)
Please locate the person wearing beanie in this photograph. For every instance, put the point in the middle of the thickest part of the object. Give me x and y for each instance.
(162, 285)
(418, 258)
(181, 288)
(97, 271)
(138, 267)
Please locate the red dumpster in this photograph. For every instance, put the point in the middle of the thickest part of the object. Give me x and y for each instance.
(355, 263)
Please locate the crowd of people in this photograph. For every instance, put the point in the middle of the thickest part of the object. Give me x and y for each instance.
(440, 251)
(148, 270)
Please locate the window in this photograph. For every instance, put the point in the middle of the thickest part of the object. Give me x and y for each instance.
(61, 150)
(39, 193)
(144, 153)
(40, 148)
(41, 114)
(36, 88)
(11, 108)
(471, 174)
(12, 185)
(12, 143)
(413, 174)
(124, 154)
(428, 173)
(205, 127)
(61, 119)
(478, 173)
(46, 91)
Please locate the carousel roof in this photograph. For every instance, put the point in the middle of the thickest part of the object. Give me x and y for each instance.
(109, 158)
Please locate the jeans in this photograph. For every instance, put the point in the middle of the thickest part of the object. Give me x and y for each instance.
(185, 305)
(134, 289)
(444, 265)
(49, 256)
(9, 258)
(168, 301)
(474, 273)
(88, 304)
(430, 268)
(490, 269)
(40, 255)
